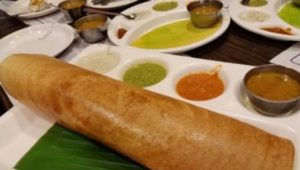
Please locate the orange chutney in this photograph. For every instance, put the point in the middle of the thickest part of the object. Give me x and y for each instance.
(200, 86)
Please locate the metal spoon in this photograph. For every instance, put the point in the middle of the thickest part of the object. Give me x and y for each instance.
(99, 11)
(101, 2)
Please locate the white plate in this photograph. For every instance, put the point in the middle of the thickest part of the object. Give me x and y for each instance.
(22, 6)
(154, 19)
(48, 39)
(22, 124)
(271, 8)
(111, 5)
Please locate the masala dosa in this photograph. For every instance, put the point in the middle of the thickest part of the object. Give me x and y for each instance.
(157, 131)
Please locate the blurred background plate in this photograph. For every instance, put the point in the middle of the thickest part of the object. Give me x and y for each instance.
(22, 6)
(271, 20)
(112, 4)
(137, 28)
(48, 39)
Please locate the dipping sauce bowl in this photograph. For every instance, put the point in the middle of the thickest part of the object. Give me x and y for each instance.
(92, 28)
(72, 9)
(205, 14)
(273, 90)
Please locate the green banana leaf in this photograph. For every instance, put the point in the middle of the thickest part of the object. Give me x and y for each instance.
(62, 149)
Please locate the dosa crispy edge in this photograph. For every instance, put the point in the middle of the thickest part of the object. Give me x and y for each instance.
(157, 131)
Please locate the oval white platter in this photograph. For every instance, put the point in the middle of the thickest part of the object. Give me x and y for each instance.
(22, 6)
(150, 19)
(48, 39)
(111, 5)
(271, 9)
(22, 124)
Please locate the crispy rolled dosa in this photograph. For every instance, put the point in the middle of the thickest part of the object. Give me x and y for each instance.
(157, 131)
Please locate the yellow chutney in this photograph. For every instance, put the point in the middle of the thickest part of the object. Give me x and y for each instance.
(175, 34)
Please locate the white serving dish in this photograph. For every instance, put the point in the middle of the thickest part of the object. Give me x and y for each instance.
(21, 124)
(48, 39)
(271, 8)
(152, 19)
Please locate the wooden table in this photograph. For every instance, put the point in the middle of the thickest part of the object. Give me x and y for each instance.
(236, 45)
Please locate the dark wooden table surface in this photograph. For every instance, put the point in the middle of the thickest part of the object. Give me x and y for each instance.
(236, 45)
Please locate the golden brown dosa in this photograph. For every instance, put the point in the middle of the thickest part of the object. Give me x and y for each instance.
(157, 131)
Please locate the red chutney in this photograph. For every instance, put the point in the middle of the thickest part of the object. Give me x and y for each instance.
(200, 86)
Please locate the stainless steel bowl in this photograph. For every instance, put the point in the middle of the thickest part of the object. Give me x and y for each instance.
(72, 9)
(94, 34)
(204, 18)
(266, 106)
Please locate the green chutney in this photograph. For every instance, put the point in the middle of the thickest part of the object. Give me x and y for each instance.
(145, 74)
(165, 6)
(290, 13)
(175, 34)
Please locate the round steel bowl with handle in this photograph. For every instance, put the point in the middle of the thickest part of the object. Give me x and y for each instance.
(72, 9)
(94, 34)
(266, 106)
(203, 18)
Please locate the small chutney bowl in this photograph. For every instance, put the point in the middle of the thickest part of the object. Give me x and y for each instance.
(262, 82)
(205, 14)
(72, 9)
(92, 28)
